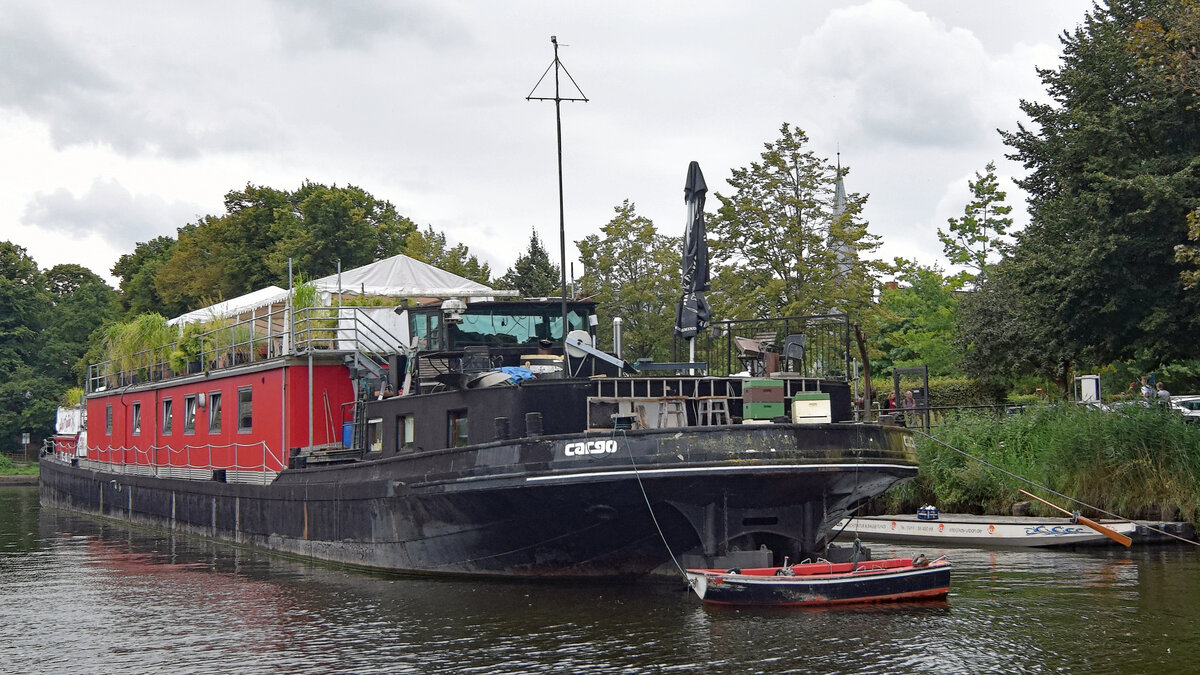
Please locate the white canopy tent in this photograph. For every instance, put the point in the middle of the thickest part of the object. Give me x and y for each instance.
(243, 304)
(398, 276)
(404, 277)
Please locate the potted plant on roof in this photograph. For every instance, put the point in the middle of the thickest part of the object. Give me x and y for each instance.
(124, 351)
(190, 347)
(240, 339)
(216, 342)
(156, 337)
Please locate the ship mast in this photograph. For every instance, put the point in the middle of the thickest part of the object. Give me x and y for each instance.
(562, 230)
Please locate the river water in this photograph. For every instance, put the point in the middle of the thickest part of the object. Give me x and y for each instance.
(83, 595)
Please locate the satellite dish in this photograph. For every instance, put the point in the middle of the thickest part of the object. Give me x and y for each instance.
(575, 338)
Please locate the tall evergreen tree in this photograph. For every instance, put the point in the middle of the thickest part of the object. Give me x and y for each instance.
(533, 274)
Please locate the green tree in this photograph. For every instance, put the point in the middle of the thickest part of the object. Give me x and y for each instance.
(980, 232)
(1166, 48)
(632, 271)
(28, 401)
(194, 274)
(1112, 180)
(781, 245)
(138, 292)
(80, 302)
(22, 301)
(27, 395)
(533, 274)
(248, 247)
(916, 321)
(1002, 337)
(328, 224)
(430, 247)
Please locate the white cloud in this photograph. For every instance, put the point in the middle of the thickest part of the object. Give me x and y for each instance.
(881, 72)
(109, 211)
(422, 103)
(360, 25)
(87, 89)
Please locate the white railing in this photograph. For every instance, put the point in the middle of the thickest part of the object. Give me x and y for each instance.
(192, 462)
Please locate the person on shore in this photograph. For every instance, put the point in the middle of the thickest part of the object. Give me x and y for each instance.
(891, 401)
(1163, 395)
(910, 407)
(1146, 391)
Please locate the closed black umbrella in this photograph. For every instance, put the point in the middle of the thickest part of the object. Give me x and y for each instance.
(692, 314)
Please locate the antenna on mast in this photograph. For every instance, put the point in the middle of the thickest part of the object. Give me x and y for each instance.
(562, 229)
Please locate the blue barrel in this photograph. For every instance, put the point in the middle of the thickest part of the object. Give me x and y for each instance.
(348, 434)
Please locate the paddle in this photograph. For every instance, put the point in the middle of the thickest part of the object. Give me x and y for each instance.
(1111, 534)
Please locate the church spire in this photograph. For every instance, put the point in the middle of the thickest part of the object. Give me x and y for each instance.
(842, 249)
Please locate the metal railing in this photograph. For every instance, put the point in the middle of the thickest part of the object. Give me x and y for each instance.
(819, 346)
(262, 337)
(929, 417)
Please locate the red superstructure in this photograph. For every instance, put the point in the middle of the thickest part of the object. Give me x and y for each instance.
(237, 420)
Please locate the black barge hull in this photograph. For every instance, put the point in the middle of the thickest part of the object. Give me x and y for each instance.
(562, 506)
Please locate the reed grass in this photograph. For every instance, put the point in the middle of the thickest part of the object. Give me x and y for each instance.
(1137, 462)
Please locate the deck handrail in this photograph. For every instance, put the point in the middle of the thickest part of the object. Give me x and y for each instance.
(260, 338)
(142, 457)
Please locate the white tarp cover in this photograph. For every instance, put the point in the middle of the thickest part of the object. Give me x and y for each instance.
(375, 328)
(263, 297)
(402, 276)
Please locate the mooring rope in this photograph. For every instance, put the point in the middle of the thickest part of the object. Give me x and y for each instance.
(638, 475)
(988, 464)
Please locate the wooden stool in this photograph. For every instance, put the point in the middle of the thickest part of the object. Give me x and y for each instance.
(671, 410)
(713, 410)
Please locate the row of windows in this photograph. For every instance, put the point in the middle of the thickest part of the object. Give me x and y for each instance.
(191, 403)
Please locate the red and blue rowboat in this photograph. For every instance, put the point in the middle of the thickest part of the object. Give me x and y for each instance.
(825, 583)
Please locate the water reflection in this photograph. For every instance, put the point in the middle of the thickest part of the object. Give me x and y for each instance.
(78, 594)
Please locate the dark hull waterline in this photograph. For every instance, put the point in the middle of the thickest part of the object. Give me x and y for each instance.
(528, 508)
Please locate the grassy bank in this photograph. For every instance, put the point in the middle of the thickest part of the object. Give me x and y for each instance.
(7, 468)
(1138, 462)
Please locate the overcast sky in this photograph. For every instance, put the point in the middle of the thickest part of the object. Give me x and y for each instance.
(122, 121)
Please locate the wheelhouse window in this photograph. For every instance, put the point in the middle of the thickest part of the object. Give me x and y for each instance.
(214, 412)
(167, 415)
(189, 414)
(510, 324)
(245, 421)
(405, 428)
(108, 420)
(375, 435)
(136, 425)
(457, 436)
(426, 329)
